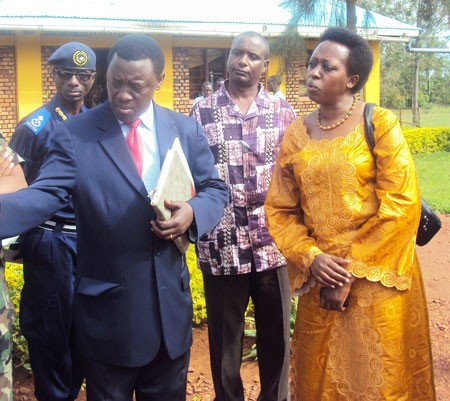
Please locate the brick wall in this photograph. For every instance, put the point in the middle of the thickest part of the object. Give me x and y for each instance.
(8, 108)
(296, 88)
(8, 98)
(48, 85)
(180, 61)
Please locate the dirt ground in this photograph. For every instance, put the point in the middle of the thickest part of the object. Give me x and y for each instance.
(435, 261)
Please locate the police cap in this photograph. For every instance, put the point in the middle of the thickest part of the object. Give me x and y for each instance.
(73, 55)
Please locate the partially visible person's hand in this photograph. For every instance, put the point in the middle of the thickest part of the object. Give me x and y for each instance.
(329, 270)
(6, 164)
(334, 298)
(178, 224)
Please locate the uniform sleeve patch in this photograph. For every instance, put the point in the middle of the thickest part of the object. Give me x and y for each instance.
(37, 120)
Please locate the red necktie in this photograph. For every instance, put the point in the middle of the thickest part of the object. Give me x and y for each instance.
(135, 144)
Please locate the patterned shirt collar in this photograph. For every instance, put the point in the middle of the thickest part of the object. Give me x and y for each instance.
(262, 98)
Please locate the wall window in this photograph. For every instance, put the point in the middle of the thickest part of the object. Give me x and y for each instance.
(205, 64)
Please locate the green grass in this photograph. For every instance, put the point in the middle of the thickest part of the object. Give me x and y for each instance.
(437, 116)
(433, 170)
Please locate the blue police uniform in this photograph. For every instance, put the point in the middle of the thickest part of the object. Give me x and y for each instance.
(49, 254)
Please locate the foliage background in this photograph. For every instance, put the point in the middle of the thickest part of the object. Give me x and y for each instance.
(433, 170)
(408, 79)
(398, 65)
(14, 278)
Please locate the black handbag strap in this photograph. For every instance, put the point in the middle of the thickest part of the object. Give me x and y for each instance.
(368, 126)
(429, 221)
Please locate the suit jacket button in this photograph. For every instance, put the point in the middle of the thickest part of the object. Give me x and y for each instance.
(157, 252)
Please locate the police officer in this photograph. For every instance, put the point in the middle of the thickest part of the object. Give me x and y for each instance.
(49, 251)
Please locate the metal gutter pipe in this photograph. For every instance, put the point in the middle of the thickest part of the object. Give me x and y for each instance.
(425, 50)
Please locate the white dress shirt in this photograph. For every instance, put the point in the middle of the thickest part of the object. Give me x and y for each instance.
(151, 163)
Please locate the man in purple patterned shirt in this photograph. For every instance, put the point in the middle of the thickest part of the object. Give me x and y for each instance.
(244, 126)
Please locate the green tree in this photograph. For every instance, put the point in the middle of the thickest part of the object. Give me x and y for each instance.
(431, 18)
(408, 79)
(316, 12)
(419, 73)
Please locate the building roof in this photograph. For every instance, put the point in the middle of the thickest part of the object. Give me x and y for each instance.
(198, 17)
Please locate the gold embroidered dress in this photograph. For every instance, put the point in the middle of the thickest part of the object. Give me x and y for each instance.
(328, 196)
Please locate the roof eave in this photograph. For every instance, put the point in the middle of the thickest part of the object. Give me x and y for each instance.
(51, 24)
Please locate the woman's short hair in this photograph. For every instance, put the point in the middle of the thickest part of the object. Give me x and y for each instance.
(135, 47)
(360, 59)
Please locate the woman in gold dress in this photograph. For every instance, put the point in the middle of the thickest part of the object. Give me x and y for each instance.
(347, 223)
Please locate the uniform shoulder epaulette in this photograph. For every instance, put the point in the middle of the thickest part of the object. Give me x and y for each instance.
(37, 120)
(61, 113)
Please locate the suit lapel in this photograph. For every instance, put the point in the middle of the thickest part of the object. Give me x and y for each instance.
(165, 130)
(111, 139)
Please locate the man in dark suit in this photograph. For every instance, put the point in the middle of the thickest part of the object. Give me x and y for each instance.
(132, 306)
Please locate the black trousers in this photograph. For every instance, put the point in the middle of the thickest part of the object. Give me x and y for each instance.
(162, 379)
(227, 298)
(49, 263)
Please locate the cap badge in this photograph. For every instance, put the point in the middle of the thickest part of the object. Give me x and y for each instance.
(80, 58)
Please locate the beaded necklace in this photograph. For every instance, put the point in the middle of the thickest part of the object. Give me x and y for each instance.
(344, 119)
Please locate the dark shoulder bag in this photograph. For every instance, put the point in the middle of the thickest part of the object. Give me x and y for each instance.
(429, 221)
